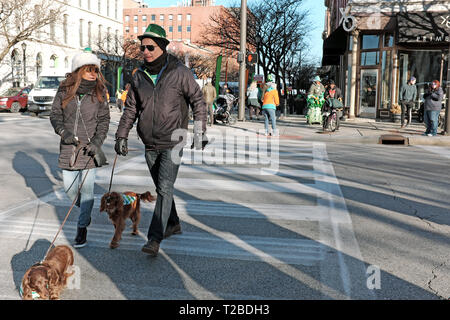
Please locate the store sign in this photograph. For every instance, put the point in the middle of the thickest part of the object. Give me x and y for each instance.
(424, 27)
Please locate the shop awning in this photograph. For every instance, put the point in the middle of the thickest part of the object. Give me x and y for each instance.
(423, 28)
(334, 46)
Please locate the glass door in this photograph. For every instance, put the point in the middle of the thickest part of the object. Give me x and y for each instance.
(368, 93)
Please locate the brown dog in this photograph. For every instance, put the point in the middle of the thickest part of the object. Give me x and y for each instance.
(47, 279)
(118, 211)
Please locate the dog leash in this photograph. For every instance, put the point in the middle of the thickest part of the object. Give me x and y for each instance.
(70, 210)
(114, 165)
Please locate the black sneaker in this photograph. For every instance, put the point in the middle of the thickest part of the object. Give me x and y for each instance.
(151, 248)
(80, 239)
(170, 230)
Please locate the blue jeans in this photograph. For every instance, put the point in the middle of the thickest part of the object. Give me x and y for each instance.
(431, 119)
(270, 113)
(86, 200)
(164, 173)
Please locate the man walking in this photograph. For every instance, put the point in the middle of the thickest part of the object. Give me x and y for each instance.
(159, 97)
(408, 96)
(209, 93)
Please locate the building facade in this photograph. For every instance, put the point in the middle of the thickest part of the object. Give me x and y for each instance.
(183, 23)
(85, 23)
(371, 48)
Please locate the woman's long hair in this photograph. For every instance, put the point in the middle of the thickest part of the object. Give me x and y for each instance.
(72, 82)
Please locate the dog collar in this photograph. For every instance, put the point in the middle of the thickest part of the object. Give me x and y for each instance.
(34, 294)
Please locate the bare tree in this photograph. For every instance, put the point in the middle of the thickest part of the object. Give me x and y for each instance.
(22, 20)
(277, 30)
(116, 52)
(203, 65)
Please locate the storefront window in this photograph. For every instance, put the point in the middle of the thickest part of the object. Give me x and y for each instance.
(370, 42)
(370, 58)
(425, 66)
(386, 79)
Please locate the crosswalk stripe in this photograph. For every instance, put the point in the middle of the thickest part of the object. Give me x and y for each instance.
(287, 250)
(207, 184)
(141, 167)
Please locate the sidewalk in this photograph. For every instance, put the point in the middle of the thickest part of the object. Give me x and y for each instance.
(358, 130)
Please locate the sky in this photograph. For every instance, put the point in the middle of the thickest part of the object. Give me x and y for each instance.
(317, 19)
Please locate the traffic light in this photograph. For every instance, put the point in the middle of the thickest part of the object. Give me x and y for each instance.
(252, 59)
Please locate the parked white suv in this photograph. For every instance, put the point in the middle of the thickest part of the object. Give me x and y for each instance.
(40, 99)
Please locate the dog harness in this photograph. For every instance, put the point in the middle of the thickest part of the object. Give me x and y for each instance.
(128, 199)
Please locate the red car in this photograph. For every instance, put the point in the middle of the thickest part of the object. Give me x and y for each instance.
(14, 99)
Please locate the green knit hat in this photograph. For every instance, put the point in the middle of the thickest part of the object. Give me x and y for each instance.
(155, 31)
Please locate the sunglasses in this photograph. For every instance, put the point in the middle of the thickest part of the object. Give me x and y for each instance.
(149, 47)
(92, 69)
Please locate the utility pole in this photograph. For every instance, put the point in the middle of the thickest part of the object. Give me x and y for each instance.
(447, 109)
(241, 60)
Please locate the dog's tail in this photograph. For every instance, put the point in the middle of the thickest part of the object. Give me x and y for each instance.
(146, 196)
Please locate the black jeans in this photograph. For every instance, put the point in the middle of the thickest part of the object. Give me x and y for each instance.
(407, 108)
(164, 173)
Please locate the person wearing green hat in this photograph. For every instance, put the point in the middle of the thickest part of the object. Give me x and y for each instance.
(316, 88)
(161, 91)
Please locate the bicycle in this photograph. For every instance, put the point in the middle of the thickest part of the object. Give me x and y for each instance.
(330, 117)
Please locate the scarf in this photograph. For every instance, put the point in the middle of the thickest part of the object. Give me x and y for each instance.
(156, 66)
(86, 86)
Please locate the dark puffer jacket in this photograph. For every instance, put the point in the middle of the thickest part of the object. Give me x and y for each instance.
(96, 116)
(163, 108)
(433, 100)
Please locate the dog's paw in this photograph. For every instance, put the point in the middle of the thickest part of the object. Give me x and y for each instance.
(113, 245)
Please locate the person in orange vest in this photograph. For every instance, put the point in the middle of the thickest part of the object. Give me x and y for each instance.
(123, 97)
(270, 102)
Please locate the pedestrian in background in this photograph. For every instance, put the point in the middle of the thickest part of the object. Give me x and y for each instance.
(271, 100)
(209, 93)
(80, 115)
(252, 100)
(123, 96)
(159, 97)
(408, 95)
(432, 107)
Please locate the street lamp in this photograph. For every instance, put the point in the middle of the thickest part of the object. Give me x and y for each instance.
(284, 61)
(24, 48)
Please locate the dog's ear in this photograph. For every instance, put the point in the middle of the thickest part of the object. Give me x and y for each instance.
(103, 202)
(147, 196)
(52, 277)
(26, 290)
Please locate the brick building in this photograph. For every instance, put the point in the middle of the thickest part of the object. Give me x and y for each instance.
(183, 24)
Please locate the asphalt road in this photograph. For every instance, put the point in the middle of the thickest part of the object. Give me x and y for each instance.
(319, 221)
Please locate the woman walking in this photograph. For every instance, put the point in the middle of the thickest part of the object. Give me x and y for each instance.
(270, 102)
(432, 107)
(80, 115)
(252, 98)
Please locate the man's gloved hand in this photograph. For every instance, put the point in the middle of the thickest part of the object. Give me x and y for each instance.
(200, 141)
(67, 137)
(121, 146)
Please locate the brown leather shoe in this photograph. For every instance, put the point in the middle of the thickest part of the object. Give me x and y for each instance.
(170, 230)
(151, 248)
